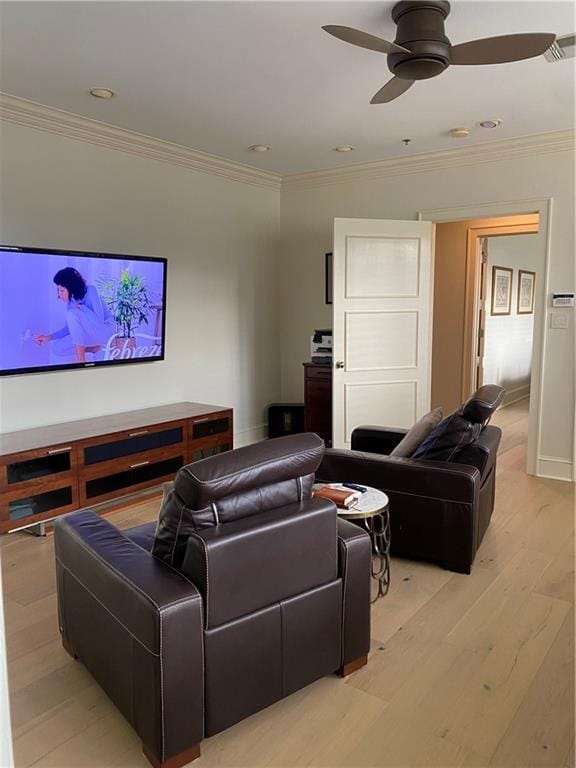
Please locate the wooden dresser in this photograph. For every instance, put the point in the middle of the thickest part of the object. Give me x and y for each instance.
(51, 470)
(318, 400)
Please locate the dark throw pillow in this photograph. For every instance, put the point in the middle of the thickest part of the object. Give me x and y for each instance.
(449, 438)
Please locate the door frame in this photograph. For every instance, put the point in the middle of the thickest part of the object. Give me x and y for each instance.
(543, 207)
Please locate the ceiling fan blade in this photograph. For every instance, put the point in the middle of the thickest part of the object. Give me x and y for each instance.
(503, 49)
(363, 39)
(393, 88)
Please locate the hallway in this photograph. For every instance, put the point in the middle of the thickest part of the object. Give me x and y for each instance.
(513, 421)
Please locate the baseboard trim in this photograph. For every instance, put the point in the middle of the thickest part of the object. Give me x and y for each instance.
(514, 395)
(555, 468)
(250, 435)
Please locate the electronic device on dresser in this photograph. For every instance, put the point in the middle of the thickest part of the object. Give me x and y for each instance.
(321, 347)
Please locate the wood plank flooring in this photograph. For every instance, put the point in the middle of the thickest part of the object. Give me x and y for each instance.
(464, 672)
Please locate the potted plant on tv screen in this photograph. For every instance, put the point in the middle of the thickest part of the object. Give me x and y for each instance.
(129, 302)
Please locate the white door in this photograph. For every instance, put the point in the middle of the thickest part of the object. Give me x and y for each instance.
(382, 294)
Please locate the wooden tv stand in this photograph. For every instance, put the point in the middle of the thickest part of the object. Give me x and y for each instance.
(52, 470)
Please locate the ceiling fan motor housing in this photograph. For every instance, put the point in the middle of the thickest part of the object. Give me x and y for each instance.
(421, 29)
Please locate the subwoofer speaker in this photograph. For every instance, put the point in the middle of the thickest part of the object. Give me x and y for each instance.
(285, 419)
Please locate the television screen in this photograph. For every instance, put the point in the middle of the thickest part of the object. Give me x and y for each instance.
(67, 309)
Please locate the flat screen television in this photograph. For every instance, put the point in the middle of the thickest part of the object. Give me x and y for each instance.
(73, 309)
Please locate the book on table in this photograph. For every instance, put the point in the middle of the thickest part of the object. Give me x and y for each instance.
(342, 497)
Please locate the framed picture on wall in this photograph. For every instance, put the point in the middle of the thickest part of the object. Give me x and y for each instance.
(501, 291)
(328, 278)
(526, 281)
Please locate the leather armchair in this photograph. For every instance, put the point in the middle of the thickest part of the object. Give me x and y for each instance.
(439, 510)
(225, 617)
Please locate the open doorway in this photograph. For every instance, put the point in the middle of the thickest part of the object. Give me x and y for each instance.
(487, 272)
(505, 346)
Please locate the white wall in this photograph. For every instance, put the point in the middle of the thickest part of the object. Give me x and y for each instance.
(221, 241)
(225, 293)
(307, 215)
(508, 338)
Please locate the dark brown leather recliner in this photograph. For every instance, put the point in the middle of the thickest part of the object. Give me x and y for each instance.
(245, 591)
(439, 510)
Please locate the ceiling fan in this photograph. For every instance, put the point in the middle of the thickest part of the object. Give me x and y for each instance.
(421, 49)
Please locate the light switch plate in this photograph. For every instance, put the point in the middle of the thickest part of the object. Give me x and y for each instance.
(558, 320)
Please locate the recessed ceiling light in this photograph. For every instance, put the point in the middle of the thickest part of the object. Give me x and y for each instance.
(259, 148)
(102, 93)
(460, 133)
(493, 123)
(344, 148)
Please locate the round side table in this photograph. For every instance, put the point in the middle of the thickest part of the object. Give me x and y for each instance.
(373, 509)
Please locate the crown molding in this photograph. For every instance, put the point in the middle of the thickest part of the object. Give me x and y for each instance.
(41, 117)
(33, 115)
(507, 149)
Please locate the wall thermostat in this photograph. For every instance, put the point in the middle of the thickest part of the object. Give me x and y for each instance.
(563, 299)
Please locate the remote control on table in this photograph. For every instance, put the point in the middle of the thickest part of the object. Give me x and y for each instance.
(354, 487)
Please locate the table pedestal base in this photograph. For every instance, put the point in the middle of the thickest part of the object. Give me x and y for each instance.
(378, 527)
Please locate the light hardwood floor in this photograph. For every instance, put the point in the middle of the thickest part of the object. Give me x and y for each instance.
(465, 671)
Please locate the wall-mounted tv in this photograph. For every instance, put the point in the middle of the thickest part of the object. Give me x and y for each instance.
(73, 309)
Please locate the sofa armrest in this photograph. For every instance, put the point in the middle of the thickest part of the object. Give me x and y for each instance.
(354, 561)
(136, 624)
(380, 440)
(442, 480)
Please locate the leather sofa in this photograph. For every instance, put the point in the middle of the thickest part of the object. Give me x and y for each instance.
(439, 510)
(246, 590)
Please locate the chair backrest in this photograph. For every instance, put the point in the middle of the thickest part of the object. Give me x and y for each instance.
(461, 430)
(479, 409)
(235, 485)
(480, 406)
(244, 528)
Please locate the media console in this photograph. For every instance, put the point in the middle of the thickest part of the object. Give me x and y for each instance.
(52, 470)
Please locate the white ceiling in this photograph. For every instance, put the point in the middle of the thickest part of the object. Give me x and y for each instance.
(219, 76)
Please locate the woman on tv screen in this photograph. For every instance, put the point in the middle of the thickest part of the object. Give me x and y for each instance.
(89, 322)
(105, 309)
